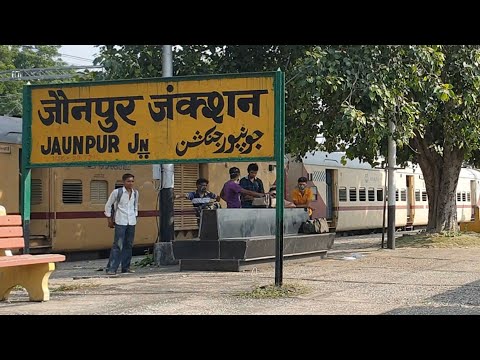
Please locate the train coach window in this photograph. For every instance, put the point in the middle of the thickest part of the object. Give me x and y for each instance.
(464, 196)
(403, 195)
(353, 194)
(459, 196)
(379, 194)
(98, 191)
(36, 189)
(342, 194)
(396, 195)
(72, 192)
(371, 194)
(417, 195)
(424, 195)
(362, 194)
(468, 196)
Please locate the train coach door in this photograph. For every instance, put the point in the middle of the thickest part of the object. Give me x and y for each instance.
(329, 181)
(410, 200)
(41, 210)
(473, 196)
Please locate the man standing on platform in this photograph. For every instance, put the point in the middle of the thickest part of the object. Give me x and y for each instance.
(252, 183)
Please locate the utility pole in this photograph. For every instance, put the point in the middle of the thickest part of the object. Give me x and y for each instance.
(163, 250)
(392, 163)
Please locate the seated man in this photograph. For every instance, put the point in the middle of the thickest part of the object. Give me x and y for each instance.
(202, 198)
(302, 195)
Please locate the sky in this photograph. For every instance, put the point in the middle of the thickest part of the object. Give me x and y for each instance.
(78, 54)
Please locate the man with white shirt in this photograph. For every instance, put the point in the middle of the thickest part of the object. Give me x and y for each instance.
(124, 203)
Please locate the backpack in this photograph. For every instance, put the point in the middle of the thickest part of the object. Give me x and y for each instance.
(315, 226)
(117, 200)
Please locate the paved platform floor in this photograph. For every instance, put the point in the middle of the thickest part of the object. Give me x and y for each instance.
(357, 277)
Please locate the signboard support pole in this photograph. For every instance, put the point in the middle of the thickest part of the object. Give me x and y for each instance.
(280, 161)
(26, 171)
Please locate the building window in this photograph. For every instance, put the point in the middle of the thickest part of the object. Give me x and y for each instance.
(98, 191)
(72, 192)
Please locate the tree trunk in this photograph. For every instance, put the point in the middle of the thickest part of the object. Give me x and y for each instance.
(441, 178)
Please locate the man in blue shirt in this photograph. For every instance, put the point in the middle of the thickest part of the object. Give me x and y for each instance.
(252, 183)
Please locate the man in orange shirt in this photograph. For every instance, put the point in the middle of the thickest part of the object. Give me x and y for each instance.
(302, 195)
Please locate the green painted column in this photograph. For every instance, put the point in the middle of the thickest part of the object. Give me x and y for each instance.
(280, 161)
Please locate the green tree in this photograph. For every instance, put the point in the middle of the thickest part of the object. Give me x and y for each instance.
(429, 91)
(143, 61)
(23, 57)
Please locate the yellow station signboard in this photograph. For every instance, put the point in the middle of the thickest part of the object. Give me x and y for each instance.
(154, 120)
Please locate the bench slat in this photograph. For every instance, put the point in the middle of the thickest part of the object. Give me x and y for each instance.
(10, 220)
(28, 259)
(12, 243)
(11, 231)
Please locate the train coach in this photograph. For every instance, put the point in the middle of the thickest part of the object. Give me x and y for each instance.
(351, 197)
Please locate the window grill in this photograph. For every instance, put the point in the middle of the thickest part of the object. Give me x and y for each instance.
(72, 192)
(36, 192)
(98, 191)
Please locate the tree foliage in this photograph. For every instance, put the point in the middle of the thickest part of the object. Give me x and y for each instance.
(429, 91)
(23, 57)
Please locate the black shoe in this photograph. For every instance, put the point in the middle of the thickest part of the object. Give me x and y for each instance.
(128, 271)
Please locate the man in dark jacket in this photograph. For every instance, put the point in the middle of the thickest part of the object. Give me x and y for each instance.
(252, 183)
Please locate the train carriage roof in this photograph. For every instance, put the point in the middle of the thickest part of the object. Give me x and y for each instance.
(10, 130)
(333, 160)
(470, 173)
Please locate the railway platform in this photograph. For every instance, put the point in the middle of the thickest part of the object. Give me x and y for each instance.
(356, 277)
